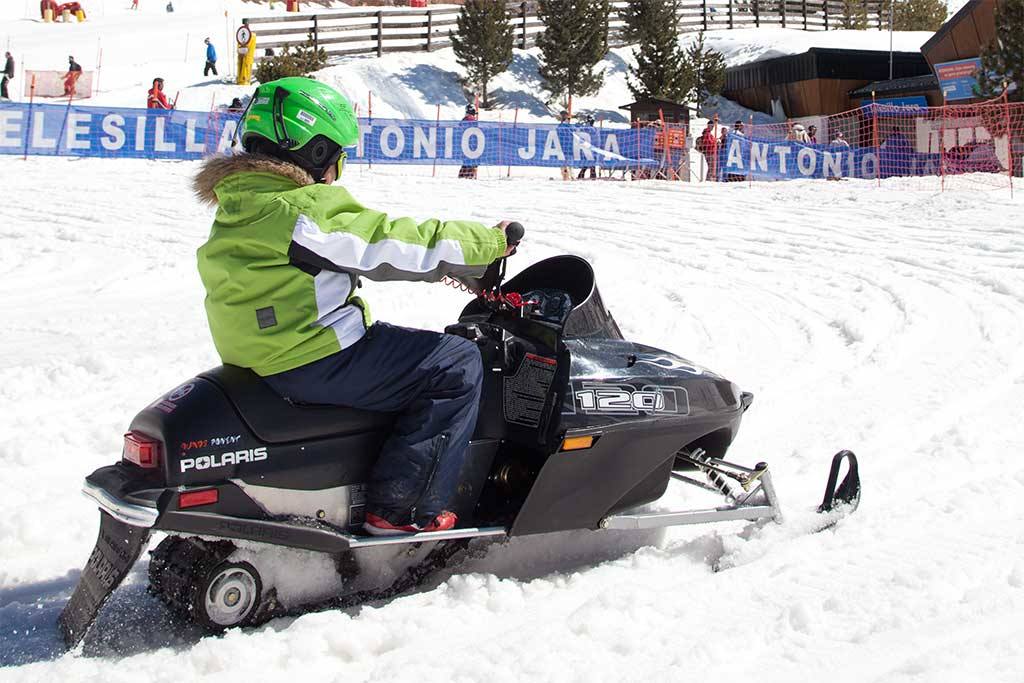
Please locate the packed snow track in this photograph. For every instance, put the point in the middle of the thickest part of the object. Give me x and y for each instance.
(880, 319)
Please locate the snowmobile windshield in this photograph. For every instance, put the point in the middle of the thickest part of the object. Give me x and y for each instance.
(584, 315)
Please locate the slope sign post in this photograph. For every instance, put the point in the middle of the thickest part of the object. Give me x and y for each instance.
(522, 14)
(380, 33)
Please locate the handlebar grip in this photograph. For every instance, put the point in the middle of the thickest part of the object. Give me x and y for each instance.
(514, 233)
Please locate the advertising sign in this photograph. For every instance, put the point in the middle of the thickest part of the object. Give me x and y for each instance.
(788, 160)
(912, 102)
(957, 79)
(48, 129)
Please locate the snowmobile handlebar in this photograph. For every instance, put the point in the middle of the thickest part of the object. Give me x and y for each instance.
(514, 232)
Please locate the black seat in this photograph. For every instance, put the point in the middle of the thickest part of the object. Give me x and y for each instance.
(276, 420)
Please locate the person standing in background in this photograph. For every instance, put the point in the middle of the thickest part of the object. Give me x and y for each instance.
(798, 134)
(467, 171)
(8, 75)
(563, 120)
(156, 98)
(707, 145)
(211, 59)
(72, 76)
(812, 134)
(589, 121)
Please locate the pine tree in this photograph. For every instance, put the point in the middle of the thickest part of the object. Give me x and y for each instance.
(919, 15)
(708, 67)
(483, 44)
(298, 60)
(1003, 58)
(575, 39)
(661, 70)
(854, 15)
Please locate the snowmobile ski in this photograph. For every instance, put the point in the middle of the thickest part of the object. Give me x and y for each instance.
(117, 548)
(848, 492)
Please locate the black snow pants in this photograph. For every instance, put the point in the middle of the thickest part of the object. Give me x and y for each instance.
(210, 66)
(433, 381)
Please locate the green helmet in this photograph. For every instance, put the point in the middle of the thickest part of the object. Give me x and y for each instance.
(301, 121)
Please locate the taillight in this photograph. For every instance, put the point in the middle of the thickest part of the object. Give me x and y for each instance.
(141, 450)
(192, 499)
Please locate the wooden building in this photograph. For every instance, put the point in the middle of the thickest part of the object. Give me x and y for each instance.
(962, 37)
(817, 82)
(650, 109)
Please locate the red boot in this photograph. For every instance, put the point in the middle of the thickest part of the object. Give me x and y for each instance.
(378, 526)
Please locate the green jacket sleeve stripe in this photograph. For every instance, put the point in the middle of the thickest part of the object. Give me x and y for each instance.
(417, 252)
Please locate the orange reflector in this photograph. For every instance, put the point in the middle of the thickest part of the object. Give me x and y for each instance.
(192, 499)
(576, 443)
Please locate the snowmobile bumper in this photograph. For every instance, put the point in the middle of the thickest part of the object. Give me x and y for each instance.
(133, 514)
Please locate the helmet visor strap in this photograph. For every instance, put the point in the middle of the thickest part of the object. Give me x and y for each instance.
(340, 163)
(285, 142)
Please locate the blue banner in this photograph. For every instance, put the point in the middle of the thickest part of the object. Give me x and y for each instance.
(741, 157)
(48, 129)
(61, 130)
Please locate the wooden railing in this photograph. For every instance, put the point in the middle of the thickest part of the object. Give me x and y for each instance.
(358, 32)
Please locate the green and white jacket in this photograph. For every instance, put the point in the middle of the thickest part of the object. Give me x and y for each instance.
(284, 254)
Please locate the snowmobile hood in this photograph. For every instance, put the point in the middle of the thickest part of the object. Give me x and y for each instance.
(241, 184)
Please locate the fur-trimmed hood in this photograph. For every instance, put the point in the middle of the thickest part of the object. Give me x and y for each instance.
(216, 169)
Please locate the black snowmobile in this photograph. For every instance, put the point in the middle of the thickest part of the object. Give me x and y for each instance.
(577, 429)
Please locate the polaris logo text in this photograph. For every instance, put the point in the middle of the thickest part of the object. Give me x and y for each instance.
(205, 462)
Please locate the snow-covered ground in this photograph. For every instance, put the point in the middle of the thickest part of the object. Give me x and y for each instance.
(875, 319)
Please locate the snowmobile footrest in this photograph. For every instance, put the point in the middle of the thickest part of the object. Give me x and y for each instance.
(303, 534)
(846, 493)
(653, 520)
(425, 536)
(117, 548)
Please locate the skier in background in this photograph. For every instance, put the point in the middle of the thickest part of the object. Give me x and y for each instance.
(211, 59)
(71, 77)
(8, 75)
(467, 171)
(156, 98)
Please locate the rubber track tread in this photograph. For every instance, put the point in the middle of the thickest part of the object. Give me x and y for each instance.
(178, 566)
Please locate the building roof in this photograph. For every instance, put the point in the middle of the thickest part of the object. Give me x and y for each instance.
(897, 86)
(964, 35)
(652, 101)
(830, 63)
(944, 30)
